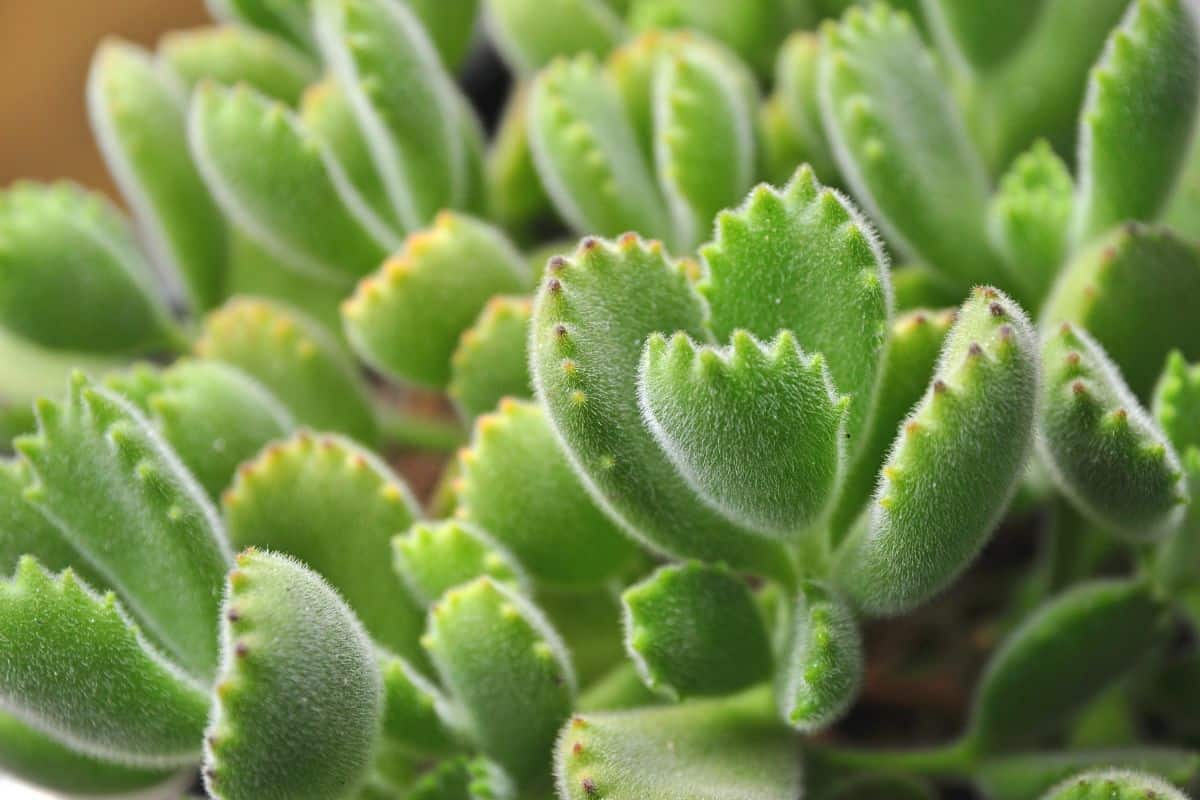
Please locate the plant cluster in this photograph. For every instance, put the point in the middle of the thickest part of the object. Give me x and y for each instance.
(696, 451)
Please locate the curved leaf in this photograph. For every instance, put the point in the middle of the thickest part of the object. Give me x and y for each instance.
(1027, 775)
(490, 362)
(434, 558)
(1114, 785)
(231, 54)
(822, 660)
(530, 33)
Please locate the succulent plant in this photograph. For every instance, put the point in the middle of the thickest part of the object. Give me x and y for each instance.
(369, 482)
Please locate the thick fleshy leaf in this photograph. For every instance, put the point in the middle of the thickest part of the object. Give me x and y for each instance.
(1177, 563)
(1105, 452)
(757, 429)
(1134, 292)
(404, 101)
(752, 28)
(1114, 784)
(231, 54)
(1030, 219)
(137, 110)
(213, 415)
(587, 154)
(506, 668)
(704, 103)
(434, 558)
(24, 530)
(284, 628)
(407, 318)
(1064, 655)
(517, 484)
(417, 718)
(901, 143)
(822, 660)
(296, 360)
(462, 779)
(954, 465)
(1176, 404)
(30, 755)
(490, 362)
(287, 19)
(1027, 775)
(912, 351)
(121, 498)
(450, 26)
(71, 276)
(515, 196)
(112, 697)
(296, 498)
(277, 182)
(804, 260)
(1139, 116)
(727, 749)
(694, 629)
(530, 33)
(591, 319)
(983, 33)
(796, 85)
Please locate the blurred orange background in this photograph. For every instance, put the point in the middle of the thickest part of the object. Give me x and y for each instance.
(45, 49)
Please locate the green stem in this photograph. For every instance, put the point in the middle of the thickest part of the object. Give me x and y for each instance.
(403, 429)
(951, 760)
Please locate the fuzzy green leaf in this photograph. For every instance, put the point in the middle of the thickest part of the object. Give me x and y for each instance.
(404, 101)
(902, 145)
(112, 696)
(517, 484)
(804, 260)
(287, 19)
(296, 498)
(434, 558)
(982, 33)
(1065, 654)
(1030, 218)
(954, 465)
(1134, 292)
(407, 318)
(417, 718)
(490, 362)
(213, 415)
(756, 428)
(1104, 450)
(24, 530)
(294, 358)
(123, 500)
(591, 320)
(796, 87)
(137, 111)
(587, 154)
(1027, 775)
(508, 670)
(231, 54)
(449, 25)
(704, 103)
(912, 352)
(71, 276)
(530, 33)
(515, 196)
(276, 181)
(1176, 403)
(1114, 784)
(32, 756)
(463, 779)
(694, 629)
(299, 698)
(822, 660)
(1139, 116)
(727, 749)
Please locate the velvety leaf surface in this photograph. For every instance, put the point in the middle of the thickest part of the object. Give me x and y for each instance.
(727, 749)
(591, 319)
(530, 33)
(296, 360)
(757, 429)
(517, 484)
(287, 19)
(297, 497)
(299, 699)
(751, 28)
(1104, 450)
(1139, 116)
(490, 362)
(507, 669)
(1029, 774)
(796, 86)
(1114, 785)
(231, 54)
(1061, 657)
(954, 465)
(124, 501)
(434, 558)
(822, 661)
(515, 196)
(407, 318)
(24, 530)
(694, 629)
(77, 669)
(1176, 404)
(417, 717)
(983, 32)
